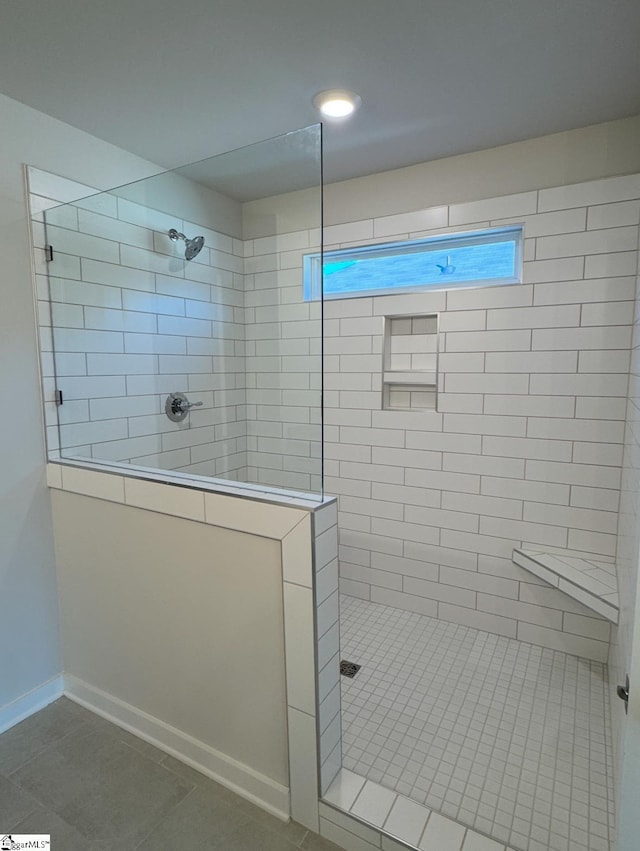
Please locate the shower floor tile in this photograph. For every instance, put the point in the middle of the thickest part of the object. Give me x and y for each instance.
(506, 737)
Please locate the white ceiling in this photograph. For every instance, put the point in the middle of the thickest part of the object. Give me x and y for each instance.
(178, 82)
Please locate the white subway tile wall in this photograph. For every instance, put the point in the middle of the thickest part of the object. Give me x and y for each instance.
(133, 321)
(526, 446)
(524, 450)
(325, 554)
(283, 365)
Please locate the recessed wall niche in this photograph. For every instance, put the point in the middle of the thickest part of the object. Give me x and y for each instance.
(410, 363)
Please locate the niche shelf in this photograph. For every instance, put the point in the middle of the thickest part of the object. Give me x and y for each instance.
(410, 363)
(592, 583)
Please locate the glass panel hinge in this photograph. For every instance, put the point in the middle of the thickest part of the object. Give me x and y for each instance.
(58, 397)
(48, 250)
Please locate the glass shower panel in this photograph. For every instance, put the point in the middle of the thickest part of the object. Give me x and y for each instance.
(283, 332)
(181, 338)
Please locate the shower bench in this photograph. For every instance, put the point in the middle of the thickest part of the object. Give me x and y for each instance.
(592, 583)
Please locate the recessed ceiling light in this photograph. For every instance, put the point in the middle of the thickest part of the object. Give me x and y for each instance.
(337, 103)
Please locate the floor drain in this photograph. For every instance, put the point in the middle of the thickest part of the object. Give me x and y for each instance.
(349, 669)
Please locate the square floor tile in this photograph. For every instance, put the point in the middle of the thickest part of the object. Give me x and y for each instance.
(488, 727)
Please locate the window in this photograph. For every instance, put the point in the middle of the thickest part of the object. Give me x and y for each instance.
(477, 259)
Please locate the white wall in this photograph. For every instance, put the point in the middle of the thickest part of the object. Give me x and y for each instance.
(29, 651)
(179, 619)
(628, 546)
(627, 735)
(175, 601)
(588, 153)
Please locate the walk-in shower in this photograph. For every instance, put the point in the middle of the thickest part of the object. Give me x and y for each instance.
(472, 430)
(475, 436)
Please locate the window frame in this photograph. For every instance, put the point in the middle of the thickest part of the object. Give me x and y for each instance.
(313, 262)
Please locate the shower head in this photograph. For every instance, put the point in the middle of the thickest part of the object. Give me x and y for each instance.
(193, 247)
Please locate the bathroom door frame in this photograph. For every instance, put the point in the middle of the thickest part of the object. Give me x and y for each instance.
(628, 817)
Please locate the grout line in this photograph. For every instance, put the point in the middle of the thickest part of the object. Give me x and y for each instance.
(358, 795)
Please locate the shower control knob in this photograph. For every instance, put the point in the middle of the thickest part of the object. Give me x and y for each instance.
(177, 406)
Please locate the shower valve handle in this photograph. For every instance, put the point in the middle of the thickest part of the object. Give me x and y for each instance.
(177, 406)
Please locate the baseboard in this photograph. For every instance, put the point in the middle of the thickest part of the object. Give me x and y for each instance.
(16, 711)
(240, 778)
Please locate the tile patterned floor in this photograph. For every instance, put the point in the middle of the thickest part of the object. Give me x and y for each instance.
(505, 737)
(94, 787)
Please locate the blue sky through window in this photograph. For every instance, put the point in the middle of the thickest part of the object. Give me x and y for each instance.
(472, 259)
